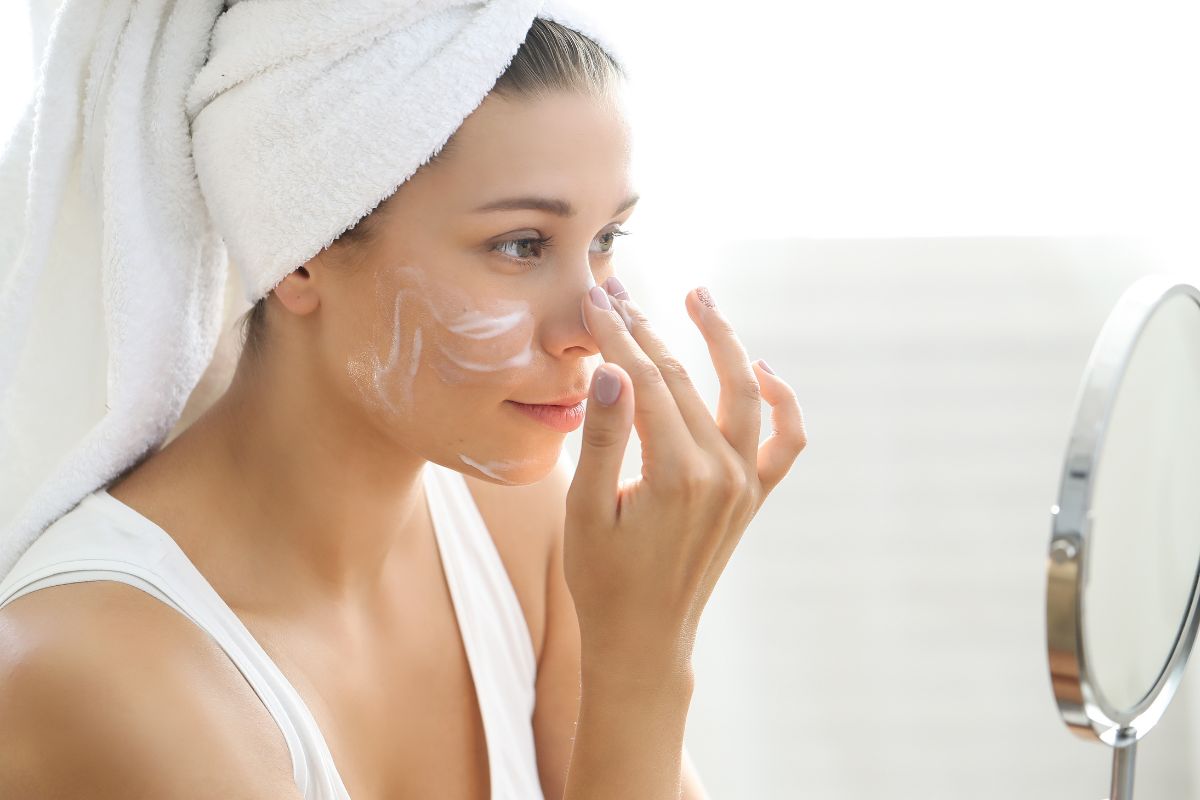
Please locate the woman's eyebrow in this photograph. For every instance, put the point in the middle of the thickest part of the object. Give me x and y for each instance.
(551, 205)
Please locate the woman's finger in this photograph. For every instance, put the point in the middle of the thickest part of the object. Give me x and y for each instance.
(788, 437)
(739, 407)
(691, 405)
(606, 427)
(664, 436)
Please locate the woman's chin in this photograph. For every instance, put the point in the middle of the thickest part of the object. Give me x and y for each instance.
(527, 462)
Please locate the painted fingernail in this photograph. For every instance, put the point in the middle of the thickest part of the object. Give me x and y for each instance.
(615, 287)
(763, 364)
(705, 297)
(599, 298)
(607, 387)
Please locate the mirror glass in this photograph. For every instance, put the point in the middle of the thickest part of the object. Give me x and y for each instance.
(1145, 511)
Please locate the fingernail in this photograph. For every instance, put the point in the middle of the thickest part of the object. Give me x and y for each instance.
(599, 298)
(763, 364)
(615, 287)
(705, 297)
(607, 387)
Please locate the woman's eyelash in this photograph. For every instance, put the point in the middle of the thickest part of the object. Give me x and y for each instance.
(542, 242)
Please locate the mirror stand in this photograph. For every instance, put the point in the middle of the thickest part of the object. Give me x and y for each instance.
(1122, 770)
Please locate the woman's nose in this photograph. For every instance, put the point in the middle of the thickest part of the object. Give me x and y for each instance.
(570, 331)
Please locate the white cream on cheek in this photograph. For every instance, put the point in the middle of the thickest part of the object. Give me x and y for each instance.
(478, 340)
(380, 373)
(479, 337)
(476, 325)
(379, 382)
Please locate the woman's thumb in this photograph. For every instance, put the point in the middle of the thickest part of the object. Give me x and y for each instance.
(606, 426)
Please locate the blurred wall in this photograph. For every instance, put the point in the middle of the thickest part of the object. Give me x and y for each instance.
(879, 632)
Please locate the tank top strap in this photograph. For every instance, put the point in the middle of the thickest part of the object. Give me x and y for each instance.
(495, 633)
(104, 539)
(137, 552)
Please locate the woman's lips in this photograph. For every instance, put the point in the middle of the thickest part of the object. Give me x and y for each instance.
(563, 419)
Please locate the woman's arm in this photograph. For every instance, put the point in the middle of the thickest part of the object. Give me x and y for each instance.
(641, 557)
(558, 681)
(108, 692)
(629, 741)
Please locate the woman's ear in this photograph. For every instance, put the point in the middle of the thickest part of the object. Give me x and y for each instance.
(298, 292)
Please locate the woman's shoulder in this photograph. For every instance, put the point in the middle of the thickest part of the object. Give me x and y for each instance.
(110, 629)
(96, 672)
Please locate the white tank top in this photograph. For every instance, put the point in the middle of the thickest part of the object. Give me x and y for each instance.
(103, 539)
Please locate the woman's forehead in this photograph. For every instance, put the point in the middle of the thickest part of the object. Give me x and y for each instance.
(549, 146)
(556, 131)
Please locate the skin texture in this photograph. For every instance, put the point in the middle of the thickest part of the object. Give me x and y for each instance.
(298, 493)
(663, 537)
(380, 358)
(299, 497)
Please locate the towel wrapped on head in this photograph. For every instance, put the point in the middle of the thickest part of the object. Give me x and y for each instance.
(167, 139)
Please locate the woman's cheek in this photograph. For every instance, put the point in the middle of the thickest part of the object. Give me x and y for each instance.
(459, 338)
(453, 336)
(385, 370)
(475, 343)
(471, 338)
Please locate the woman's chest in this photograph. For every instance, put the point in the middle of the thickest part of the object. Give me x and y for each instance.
(396, 700)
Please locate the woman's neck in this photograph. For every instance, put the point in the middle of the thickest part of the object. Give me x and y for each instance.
(288, 484)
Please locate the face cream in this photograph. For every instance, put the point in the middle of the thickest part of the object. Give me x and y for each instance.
(473, 340)
(494, 469)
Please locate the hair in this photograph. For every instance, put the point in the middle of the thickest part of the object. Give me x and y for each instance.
(552, 58)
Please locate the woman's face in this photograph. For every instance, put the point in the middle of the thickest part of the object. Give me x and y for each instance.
(455, 310)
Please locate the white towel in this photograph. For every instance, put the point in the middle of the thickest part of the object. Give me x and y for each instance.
(167, 138)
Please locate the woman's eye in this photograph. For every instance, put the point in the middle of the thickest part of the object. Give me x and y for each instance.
(529, 249)
(608, 239)
(523, 249)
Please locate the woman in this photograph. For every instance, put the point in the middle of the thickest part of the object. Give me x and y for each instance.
(452, 334)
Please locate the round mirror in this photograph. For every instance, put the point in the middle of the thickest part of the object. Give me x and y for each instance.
(1124, 557)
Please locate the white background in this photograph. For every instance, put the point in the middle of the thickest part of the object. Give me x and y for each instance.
(875, 118)
(914, 211)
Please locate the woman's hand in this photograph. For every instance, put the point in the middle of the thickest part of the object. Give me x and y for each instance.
(641, 558)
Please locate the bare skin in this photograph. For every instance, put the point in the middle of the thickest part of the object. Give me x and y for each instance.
(298, 494)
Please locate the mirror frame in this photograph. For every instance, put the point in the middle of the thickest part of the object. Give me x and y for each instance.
(1083, 706)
